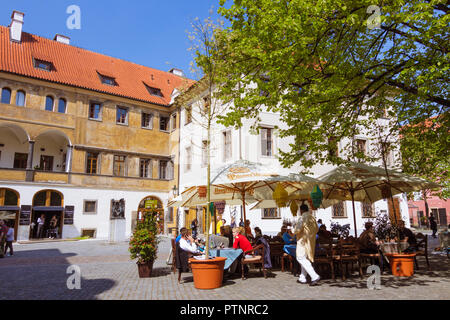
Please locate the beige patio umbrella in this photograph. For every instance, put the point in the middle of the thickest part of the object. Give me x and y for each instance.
(6, 215)
(361, 182)
(245, 181)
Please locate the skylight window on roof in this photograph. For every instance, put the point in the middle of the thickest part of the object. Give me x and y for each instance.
(154, 91)
(107, 80)
(43, 65)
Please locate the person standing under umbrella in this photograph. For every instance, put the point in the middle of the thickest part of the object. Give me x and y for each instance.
(306, 230)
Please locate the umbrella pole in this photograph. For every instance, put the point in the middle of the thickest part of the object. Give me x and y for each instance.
(354, 215)
(245, 217)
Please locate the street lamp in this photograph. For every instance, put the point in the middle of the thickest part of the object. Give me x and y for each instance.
(174, 191)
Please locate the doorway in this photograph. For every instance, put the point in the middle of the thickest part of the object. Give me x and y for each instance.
(46, 229)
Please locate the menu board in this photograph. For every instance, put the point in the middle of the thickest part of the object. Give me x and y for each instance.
(68, 214)
(25, 215)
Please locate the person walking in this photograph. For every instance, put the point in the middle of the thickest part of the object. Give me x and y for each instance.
(433, 225)
(40, 227)
(3, 232)
(9, 240)
(306, 230)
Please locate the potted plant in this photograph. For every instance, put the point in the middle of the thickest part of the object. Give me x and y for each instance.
(402, 264)
(144, 244)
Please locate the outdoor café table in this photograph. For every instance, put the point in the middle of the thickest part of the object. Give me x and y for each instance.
(391, 247)
(229, 253)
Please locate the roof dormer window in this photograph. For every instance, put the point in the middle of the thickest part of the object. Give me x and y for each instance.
(154, 91)
(43, 65)
(107, 80)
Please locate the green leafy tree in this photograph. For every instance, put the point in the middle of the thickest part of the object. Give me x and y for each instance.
(332, 68)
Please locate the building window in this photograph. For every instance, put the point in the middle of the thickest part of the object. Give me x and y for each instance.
(339, 210)
(91, 165)
(204, 153)
(49, 103)
(95, 109)
(163, 123)
(119, 166)
(266, 141)
(6, 95)
(154, 91)
(270, 213)
(43, 65)
(165, 170)
(122, 115)
(20, 160)
(90, 207)
(110, 81)
(188, 159)
(145, 168)
(20, 98)
(162, 169)
(227, 151)
(62, 105)
(188, 115)
(147, 120)
(361, 146)
(173, 122)
(367, 210)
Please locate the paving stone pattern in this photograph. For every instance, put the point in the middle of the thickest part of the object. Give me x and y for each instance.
(39, 271)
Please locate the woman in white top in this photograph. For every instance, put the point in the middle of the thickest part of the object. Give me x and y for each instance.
(187, 243)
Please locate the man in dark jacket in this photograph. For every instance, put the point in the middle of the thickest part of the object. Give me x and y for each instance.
(433, 225)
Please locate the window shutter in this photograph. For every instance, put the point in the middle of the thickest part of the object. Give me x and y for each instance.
(264, 142)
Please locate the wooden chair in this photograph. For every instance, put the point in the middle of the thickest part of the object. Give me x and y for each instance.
(255, 259)
(372, 257)
(348, 252)
(422, 249)
(276, 253)
(324, 256)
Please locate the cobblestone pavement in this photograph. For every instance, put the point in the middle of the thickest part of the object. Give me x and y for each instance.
(39, 271)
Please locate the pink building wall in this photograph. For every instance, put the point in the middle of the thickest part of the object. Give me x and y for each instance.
(433, 203)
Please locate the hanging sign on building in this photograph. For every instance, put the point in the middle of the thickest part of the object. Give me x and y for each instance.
(68, 214)
(25, 215)
(151, 204)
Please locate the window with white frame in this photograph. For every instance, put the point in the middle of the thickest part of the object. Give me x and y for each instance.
(338, 210)
(90, 207)
(188, 164)
(147, 120)
(367, 210)
(266, 141)
(227, 150)
(270, 213)
(145, 168)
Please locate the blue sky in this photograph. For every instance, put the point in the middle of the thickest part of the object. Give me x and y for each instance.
(148, 32)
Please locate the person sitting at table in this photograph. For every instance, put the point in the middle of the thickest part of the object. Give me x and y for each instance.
(323, 233)
(240, 240)
(185, 249)
(259, 239)
(367, 240)
(225, 231)
(288, 236)
(406, 235)
(248, 230)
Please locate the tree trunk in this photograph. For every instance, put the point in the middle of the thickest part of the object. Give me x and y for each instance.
(427, 210)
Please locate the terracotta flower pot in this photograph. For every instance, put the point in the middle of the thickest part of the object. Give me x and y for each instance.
(402, 264)
(208, 274)
(145, 269)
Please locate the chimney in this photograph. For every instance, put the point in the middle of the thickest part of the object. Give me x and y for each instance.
(62, 39)
(177, 72)
(15, 29)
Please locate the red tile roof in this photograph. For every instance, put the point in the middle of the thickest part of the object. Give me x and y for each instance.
(79, 68)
